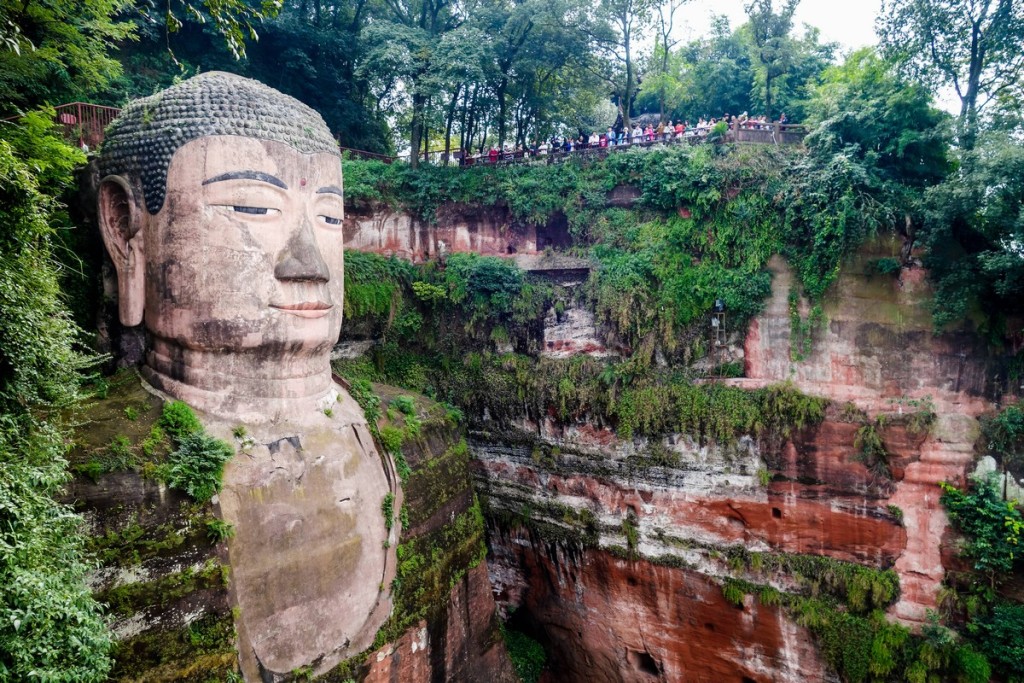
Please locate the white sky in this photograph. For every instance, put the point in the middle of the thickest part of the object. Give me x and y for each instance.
(851, 23)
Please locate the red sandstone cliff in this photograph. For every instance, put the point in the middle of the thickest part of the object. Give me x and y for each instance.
(614, 619)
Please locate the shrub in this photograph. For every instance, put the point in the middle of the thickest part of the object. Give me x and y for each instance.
(387, 508)
(872, 451)
(993, 526)
(362, 391)
(51, 628)
(405, 405)
(527, 655)
(218, 530)
(197, 466)
(179, 421)
(1001, 638)
(428, 293)
(391, 439)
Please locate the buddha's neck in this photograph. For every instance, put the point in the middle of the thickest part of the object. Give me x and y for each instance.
(251, 387)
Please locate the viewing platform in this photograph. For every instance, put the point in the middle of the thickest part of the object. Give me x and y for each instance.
(84, 124)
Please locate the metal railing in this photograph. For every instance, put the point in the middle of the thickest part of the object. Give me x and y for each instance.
(84, 123)
(749, 132)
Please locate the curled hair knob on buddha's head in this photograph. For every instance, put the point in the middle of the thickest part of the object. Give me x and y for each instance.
(139, 144)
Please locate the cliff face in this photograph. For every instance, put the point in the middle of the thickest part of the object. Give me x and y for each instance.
(490, 231)
(618, 561)
(878, 352)
(620, 566)
(612, 619)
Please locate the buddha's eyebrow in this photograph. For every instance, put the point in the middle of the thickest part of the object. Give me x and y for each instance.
(247, 175)
(331, 189)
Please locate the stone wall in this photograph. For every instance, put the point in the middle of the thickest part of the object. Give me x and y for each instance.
(608, 619)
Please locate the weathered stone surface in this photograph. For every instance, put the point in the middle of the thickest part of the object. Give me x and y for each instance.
(711, 497)
(311, 573)
(464, 647)
(489, 231)
(572, 333)
(878, 352)
(159, 571)
(610, 620)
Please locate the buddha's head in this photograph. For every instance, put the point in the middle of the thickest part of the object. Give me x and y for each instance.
(221, 207)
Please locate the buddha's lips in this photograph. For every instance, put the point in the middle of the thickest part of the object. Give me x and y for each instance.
(305, 309)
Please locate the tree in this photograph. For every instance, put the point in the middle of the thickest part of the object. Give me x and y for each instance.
(973, 45)
(51, 628)
(974, 233)
(875, 145)
(536, 64)
(311, 50)
(716, 75)
(864, 110)
(770, 36)
(993, 527)
(408, 48)
(663, 51)
(1004, 435)
(57, 51)
(620, 26)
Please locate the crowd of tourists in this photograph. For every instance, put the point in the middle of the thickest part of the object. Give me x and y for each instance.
(672, 131)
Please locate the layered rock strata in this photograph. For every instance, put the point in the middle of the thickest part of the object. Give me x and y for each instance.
(878, 351)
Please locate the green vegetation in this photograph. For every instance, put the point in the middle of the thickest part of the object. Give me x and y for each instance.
(203, 650)
(1000, 636)
(50, 626)
(871, 451)
(632, 533)
(1003, 435)
(197, 465)
(218, 530)
(993, 526)
(125, 599)
(429, 566)
(527, 655)
(637, 401)
(861, 644)
(387, 508)
(178, 420)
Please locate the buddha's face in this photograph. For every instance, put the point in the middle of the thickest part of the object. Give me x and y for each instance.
(246, 252)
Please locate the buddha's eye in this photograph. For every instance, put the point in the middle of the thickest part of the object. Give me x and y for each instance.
(254, 210)
(329, 220)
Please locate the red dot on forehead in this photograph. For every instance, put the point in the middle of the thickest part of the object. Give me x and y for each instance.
(302, 183)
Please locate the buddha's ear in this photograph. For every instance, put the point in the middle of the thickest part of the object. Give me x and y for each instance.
(120, 218)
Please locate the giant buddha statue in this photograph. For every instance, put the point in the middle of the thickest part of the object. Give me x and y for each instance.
(220, 205)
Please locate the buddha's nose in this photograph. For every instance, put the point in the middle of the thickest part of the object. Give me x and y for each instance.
(300, 260)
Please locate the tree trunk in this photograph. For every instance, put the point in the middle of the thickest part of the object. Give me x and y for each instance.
(448, 125)
(628, 94)
(499, 93)
(416, 131)
(463, 138)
